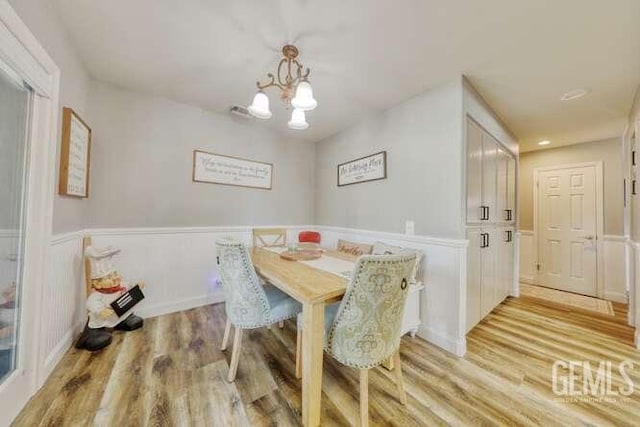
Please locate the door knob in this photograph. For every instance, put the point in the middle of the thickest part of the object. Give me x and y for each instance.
(589, 237)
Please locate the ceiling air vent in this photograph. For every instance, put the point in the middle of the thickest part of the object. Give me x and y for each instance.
(241, 111)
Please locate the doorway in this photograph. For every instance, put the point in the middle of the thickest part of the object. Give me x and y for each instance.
(29, 84)
(14, 113)
(568, 227)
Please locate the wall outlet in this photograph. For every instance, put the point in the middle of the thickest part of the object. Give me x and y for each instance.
(410, 228)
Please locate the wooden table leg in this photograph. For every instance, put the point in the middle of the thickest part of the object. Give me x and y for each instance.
(312, 352)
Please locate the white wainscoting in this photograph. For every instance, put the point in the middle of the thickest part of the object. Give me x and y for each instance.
(443, 302)
(614, 250)
(526, 256)
(177, 264)
(615, 283)
(179, 268)
(63, 313)
(634, 298)
(631, 254)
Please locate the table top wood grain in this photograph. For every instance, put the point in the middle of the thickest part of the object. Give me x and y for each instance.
(306, 284)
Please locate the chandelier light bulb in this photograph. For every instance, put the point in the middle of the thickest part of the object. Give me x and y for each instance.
(298, 120)
(295, 89)
(260, 106)
(304, 97)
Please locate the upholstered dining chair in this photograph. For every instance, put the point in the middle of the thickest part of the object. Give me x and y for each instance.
(248, 304)
(363, 330)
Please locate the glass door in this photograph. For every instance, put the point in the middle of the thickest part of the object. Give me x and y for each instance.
(15, 103)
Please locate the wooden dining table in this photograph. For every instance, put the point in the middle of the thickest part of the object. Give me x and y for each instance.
(313, 288)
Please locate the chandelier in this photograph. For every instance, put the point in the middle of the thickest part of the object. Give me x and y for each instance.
(295, 90)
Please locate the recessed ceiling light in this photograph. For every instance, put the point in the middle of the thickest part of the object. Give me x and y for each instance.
(575, 94)
(545, 142)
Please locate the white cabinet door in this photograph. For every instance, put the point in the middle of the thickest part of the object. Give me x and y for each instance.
(474, 277)
(502, 188)
(474, 172)
(509, 261)
(489, 174)
(511, 188)
(489, 283)
(504, 263)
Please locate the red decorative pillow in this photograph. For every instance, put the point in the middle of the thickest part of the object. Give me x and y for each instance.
(309, 237)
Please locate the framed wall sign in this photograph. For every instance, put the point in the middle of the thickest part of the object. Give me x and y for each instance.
(75, 155)
(364, 169)
(226, 170)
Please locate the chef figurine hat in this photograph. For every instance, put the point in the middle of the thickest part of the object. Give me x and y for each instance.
(100, 259)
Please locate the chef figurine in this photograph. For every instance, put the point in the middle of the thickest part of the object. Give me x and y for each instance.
(106, 287)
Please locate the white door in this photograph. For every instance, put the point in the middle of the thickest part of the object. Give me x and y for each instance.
(567, 219)
(15, 101)
(29, 83)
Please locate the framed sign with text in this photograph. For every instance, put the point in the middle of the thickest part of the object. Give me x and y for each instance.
(75, 155)
(364, 169)
(226, 170)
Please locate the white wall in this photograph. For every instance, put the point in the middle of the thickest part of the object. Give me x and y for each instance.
(141, 171)
(609, 151)
(476, 107)
(41, 17)
(527, 256)
(422, 138)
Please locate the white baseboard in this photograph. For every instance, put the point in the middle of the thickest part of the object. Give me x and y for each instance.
(174, 306)
(527, 280)
(57, 353)
(615, 296)
(455, 346)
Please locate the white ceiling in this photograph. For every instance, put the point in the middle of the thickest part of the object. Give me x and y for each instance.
(367, 55)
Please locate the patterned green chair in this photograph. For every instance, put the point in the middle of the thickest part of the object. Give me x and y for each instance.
(248, 304)
(363, 330)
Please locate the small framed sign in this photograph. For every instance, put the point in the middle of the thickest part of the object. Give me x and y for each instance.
(217, 169)
(364, 169)
(75, 154)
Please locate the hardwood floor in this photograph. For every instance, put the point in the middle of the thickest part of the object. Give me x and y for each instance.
(172, 373)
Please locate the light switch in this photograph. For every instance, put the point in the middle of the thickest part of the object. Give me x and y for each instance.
(410, 228)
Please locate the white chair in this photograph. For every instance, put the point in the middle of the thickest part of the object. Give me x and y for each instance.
(268, 237)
